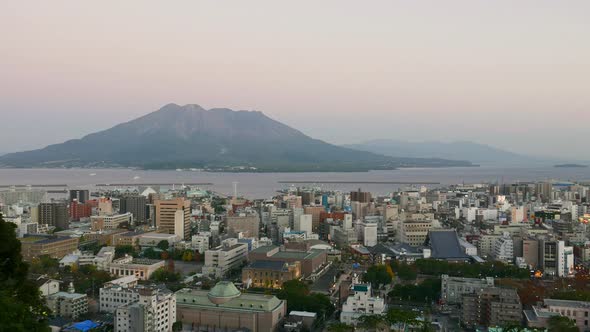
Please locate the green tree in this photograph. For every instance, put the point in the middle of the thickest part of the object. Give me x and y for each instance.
(562, 324)
(377, 275)
(163, 245)
(121, 251)
(340, 327)
(21, 306)
(177, 326)
(164, 275)
(300, 298)
(371, 322)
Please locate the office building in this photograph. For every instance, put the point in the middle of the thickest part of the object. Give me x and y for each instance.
(107, 222)
(79, 195)
(247, 223)
(229, 255)
(491, 307)
(136, 205)
(173, 217)
(142, 268)
(33, 246)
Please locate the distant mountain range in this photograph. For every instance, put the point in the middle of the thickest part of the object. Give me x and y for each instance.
(217, 139)
(461, 150)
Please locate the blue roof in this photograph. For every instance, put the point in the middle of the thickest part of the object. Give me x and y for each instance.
(85, 325)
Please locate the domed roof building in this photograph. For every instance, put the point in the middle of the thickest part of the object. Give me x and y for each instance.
(223, 292)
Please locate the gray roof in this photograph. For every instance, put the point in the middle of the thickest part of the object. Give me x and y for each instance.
(267, 265)
(445, 244)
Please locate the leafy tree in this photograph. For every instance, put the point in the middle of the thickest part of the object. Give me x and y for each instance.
(163, 275)
(177, 326)
(340, 327)
(401, 317)
(377, 275)
(371, 322)
(300, 298)
(562, 324)
(21, 306)
(163, 245)
(428, 290)
(121, 251)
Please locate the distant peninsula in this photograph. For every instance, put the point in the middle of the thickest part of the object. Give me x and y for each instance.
(571, 166)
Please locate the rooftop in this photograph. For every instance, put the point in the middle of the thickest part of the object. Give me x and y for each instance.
(267, 265)
(245, 302)
(567, 303)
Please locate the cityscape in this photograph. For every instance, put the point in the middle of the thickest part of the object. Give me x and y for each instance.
(183, 258)
(295, 166)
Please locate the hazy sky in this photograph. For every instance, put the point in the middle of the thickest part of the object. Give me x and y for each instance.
(514, 74)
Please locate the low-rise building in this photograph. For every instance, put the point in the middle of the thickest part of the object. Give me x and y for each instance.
(152, 239)
(270, 274)
(579, 311)
(359, 303)
(311, 260)
(229, 255)
(113, 221)
(52, 246)
(67, 304)
(142, 268)
(225, 308)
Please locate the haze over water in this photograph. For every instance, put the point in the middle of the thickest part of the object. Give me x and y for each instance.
(265, 185)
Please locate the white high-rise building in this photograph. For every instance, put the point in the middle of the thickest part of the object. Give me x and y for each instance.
(304, 224)
(504, 248)
(200, 242)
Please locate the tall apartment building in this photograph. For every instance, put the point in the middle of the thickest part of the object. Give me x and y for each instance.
(360, 196)
(54, 214)
(315, 212)
(79, 195)
(155, 311)
(491, 307)
(173, 216)
(117, 293)
(229, 255)
(246, 223)
(136, 205)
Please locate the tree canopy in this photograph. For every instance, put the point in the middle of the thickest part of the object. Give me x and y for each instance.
(21, 306)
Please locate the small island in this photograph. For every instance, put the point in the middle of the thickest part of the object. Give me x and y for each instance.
(571, 166)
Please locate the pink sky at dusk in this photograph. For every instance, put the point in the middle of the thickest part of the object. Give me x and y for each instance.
(513, 74)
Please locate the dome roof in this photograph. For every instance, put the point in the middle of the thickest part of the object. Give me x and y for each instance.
(223, 292)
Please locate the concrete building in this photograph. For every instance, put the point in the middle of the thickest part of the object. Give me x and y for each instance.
(173, 216)
(453, 288)
(107, 222)
(136, 205)
(369, 233)
(315, 212)
(152, 239)
(503, 248)
(79, 195)
(116, 294)
(246, 223)
(14, 196)
(155, 310)
(304, 224)
(52, 246)
(142, 268)
(54, 214)
(578, 311)
(67, 304)
(270, 274)
(491, 307)
(415, 232)
(200, 242)
(225, 308)
(361, 302)
(311, 260)
(229, 255)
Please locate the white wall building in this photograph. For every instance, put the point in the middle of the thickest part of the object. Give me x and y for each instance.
(304, 223)
(155, 310)
(361, 303)
(200, 241)
(229, 255)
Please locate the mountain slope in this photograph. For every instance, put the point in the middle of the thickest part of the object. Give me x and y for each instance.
(461, 150)
(190, 136)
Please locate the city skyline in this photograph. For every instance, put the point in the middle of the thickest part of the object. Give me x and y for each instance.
(508, 75)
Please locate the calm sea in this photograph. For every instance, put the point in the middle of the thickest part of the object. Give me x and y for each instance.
(263, 185)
